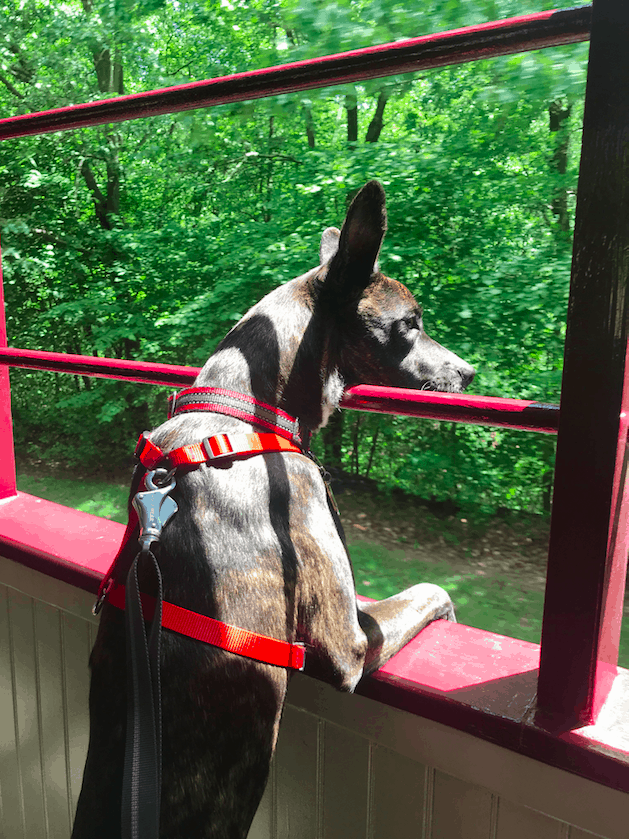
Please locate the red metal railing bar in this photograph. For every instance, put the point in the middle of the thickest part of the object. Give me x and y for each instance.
(105, 368)
(7, 452)
(521, 414)
(488, 40)
(588, 550)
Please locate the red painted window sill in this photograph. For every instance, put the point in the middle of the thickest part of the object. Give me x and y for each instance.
(471, 680)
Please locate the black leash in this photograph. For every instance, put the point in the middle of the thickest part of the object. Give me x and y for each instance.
(142, 775)
(142, 783)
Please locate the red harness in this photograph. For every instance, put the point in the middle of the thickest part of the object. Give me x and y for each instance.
(286, 436)
(218, 634)
(212, 450)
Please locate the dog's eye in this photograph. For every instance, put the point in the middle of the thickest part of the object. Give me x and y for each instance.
(413, 322)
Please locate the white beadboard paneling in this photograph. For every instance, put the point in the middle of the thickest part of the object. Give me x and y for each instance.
(460, 810)
(29, 745)
(517, 822)
(297, 767)
(345, 766)
(11, 793)
(398, 800)
(52, 735)
(76, 637)
(47, 589)
(44, 725)
(345, 784)
(531, 783)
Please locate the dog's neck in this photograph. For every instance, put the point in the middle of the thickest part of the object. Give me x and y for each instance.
(279, 354)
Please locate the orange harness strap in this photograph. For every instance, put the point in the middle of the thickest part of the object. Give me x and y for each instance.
(212, 449)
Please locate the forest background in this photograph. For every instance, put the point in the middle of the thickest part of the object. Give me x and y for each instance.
(149, 239)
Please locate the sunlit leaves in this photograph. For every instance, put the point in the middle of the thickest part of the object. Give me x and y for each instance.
(210, 209)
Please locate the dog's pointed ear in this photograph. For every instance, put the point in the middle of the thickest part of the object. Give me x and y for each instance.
(329, 244)
(359, 244)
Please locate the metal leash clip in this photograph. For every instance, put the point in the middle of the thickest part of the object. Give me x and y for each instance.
(154, 507)
(102, 597)
(327, 480)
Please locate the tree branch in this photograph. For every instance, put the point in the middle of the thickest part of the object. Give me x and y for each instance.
(377, 123)
(10, 87)
(100, 202)
(90, 180)
(55, 240)
(351, 105)
(310, 132)
(21, 69)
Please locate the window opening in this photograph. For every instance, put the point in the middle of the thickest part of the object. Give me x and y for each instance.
(557, 621)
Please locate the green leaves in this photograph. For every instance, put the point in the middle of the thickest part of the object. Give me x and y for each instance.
(149, 239)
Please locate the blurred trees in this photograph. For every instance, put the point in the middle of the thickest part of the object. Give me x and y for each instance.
(149, 239)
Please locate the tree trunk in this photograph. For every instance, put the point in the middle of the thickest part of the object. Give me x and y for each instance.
(558, 117)
(377, 123)
(374, 443)
(356, 446)
(333, 441)
(351, 105)
(310, 128)
(109, 79)
(548, 476)
(109, 73)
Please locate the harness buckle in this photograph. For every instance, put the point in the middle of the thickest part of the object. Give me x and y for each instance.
(148, 454)
(154, 507)
(217, 447)
(299, 650)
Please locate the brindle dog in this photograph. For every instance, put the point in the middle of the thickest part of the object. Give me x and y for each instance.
(255, 544)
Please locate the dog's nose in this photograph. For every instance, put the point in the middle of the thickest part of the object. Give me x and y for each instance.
(467, 374)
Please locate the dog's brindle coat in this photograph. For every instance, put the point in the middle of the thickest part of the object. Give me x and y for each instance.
(254, 544)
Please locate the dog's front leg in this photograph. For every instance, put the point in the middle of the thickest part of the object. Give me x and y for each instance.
(390, 624)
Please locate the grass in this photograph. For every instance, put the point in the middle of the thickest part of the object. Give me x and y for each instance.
(490, 603)
(487, 602)
(89, 496)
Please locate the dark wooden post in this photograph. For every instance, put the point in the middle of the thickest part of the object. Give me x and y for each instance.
(7, 457)
(588, 541)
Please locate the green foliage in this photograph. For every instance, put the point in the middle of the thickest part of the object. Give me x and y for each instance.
(149, 239)
(490, 603)
(96, 497)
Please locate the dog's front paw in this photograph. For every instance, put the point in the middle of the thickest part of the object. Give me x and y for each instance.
(432, 602)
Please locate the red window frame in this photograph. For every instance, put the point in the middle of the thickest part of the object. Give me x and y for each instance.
(588, 542)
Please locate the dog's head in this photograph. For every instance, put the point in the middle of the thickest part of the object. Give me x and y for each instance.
(380, 328)
(341, 324)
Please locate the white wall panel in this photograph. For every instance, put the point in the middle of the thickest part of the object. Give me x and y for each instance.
(77, 639)
(264, 823)
(401, 800)
(517, 822)
(299, 774)
(27, 713)
(11, 797)
(51, 718)
(461, 810)
(345, 788)
(44, 650)
(345, 766)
